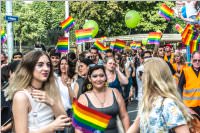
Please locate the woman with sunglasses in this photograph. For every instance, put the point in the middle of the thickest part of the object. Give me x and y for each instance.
(101, 98)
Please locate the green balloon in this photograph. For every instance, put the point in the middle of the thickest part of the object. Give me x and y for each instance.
(92, 24)
(144, 41)
(132, 18)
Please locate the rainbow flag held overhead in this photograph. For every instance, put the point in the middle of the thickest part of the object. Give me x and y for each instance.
(83, 35)
(133, 45)
(166, 12)
(3, 36)
(112, 44)
(67, 24)
(62, 45)
(185, 31)
(179, 28)
(154, 38)
(194, 45)
(100, 46)
(88, 120)
(119, 45)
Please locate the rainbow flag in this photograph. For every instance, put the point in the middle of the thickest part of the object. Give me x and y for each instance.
(3, 36)
(166, 12)
(194, 45)
(179, 28)
(62, 45)
(154, 38)
(198, 16)
(112, 44)
(88, 120)
(133, 45)
(119, 45)
(184, 33)
(67, 24)
(188, 37)
(100, 46)
(83, 35)
(103, 38)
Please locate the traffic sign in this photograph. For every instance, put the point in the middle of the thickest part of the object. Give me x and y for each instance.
(11, 18)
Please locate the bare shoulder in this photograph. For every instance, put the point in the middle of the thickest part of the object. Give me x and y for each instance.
(116, 92)
(20, 97)
(83, 100)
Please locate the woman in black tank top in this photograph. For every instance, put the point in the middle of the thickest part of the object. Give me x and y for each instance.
(99, 97)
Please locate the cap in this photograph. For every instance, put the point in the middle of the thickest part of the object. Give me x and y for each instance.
(169, 45)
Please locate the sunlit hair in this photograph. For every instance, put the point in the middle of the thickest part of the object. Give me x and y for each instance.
(106, 59)
(182, 59)
(24, 75)
(158, 81)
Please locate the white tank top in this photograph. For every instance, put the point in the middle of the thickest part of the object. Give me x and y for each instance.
(190, 9)
(40, 115)
(64, 93)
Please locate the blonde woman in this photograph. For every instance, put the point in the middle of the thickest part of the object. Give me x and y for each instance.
(161, 108)
(36, 100)
(178, 64)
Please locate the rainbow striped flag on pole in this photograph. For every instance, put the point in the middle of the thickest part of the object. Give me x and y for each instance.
(3, 36)
(67, 24)
(154, 38)
(88, 120)
(100, 46)
(119, 45)
(62, 45)
(83, 35)
(166, 12)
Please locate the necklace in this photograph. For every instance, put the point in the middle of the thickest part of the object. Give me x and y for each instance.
(101, 102)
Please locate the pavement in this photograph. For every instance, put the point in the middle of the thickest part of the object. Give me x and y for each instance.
(132, 110)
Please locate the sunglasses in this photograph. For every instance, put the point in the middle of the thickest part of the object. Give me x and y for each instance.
(89, 57)
(196, 60)
(93, 65)
(147, 57)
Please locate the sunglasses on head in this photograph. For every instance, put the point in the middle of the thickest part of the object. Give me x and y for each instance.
(196, 60)
(93, 65)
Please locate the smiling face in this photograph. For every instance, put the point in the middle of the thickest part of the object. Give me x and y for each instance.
(98, 79)
(42, 69)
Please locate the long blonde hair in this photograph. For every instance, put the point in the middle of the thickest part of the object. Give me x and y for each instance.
(24, 75)
(157, 80)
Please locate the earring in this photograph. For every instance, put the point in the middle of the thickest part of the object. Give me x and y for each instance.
(106, 84)
(89, 86)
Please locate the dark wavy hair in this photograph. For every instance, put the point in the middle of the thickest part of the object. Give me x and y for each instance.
(92, 68)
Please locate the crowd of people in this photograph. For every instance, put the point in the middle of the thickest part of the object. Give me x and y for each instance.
(38, 89)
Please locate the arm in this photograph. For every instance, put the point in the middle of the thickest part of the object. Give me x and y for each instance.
(135, 127)
(122, 110)
(76, 89)
(21, 108)
(180, 3)
(71, 92)
(122, 78)
(182, 129)
(181, 82)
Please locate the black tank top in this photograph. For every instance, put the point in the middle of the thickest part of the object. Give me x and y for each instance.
(112, 110)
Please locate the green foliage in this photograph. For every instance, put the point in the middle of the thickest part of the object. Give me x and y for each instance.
(39, 21)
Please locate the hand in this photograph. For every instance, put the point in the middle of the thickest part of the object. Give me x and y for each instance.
(2, 129)
(61, 122)
(117, 67)
(42, 96)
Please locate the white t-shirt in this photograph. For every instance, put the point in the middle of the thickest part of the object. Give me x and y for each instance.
(139, 81)
(64, 93)
(190, 9)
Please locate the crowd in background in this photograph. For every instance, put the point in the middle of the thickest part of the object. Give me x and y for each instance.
(43, 83)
